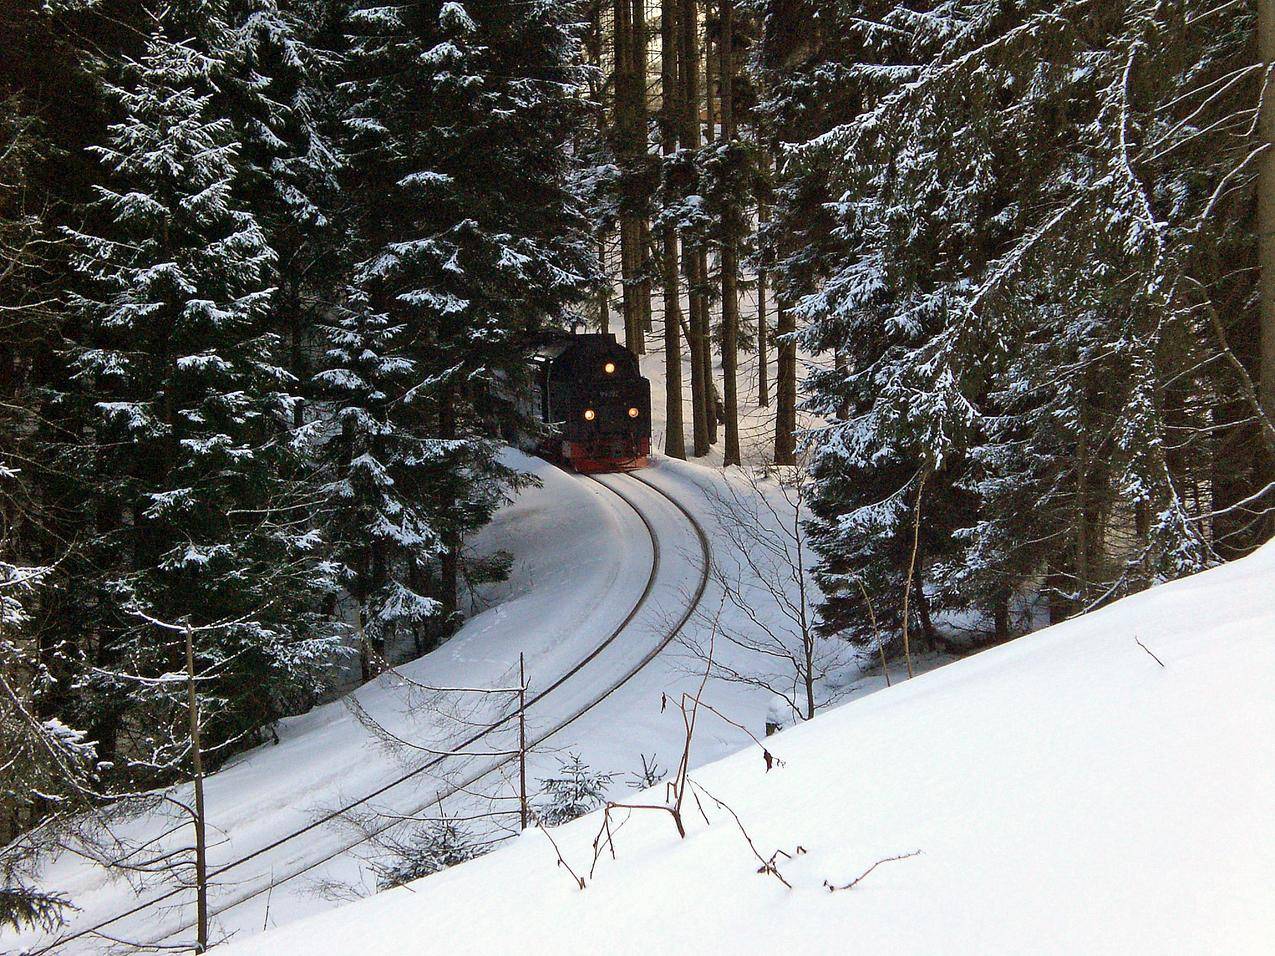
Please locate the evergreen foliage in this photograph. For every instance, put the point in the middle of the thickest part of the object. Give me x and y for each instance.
(460, 119)
(574, 791)
(430, 849)
(177, 382)
(1030, 210)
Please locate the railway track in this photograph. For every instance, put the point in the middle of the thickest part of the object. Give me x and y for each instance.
(249, 893)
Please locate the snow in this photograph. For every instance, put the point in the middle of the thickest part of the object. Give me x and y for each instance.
(1068, 794)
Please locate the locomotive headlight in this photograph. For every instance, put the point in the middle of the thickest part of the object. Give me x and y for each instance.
(609, 368)
(633, 413)
(590, 414)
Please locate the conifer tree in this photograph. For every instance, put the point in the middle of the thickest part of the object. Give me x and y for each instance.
(177, 379)
(1038, 348)
(282, 62)
(460, 119)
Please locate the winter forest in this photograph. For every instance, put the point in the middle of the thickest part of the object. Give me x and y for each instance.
(982, 291)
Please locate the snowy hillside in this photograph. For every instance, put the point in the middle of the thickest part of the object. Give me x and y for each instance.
(1068, 794)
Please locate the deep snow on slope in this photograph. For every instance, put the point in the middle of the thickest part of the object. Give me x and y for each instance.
(1068, 793)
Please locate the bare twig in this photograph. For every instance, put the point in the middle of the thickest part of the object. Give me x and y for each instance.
(1149, 651)
(864, 874)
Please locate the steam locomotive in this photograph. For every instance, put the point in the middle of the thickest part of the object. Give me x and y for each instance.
(590, 393)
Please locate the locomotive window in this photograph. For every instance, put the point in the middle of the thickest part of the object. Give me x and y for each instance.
(609, 368)
(590, 414)
(633, 413)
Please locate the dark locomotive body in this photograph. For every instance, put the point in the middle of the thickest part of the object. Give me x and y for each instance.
(590, 393)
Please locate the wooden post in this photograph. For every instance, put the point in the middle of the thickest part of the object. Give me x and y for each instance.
(522, 743)
(197, 760)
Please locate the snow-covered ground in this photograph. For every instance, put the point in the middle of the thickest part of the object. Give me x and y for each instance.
(958, 766)
(1068, 794)
(583, 560)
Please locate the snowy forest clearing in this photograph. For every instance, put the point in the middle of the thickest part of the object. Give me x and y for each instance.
(1068, 794)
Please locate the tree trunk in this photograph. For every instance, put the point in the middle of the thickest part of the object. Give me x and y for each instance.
(1266, 216)
(763, 346)
(630, 140)
(641, 59)
(730, 250)
(705, 317)
(688, 56)
(197, 766)
(674, 433)
(604, 291)
(449, 563)
(839, 363)
(786, 388)
(1266, 228)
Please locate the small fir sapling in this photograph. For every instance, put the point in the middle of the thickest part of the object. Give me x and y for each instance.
(437, 846)
(574, 791)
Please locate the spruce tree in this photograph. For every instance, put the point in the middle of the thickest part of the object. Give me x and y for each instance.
(1032, 206)
(459, 122)
(282, 61)
(186, 407)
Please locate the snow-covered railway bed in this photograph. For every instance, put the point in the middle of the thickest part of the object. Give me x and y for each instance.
(279, 879)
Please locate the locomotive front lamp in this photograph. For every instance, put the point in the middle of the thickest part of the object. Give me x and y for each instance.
(633, 413)
(609, 368)
(590, 414)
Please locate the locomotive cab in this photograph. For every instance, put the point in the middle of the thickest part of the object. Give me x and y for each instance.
(593, 396)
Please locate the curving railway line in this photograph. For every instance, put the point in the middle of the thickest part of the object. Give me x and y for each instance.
(250, 889)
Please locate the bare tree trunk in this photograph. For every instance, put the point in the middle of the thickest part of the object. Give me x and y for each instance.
(786, 388)
(839, 363)
(641, 61)
(449, 563)
(710, 74)
(730, 250)
(1080, 538)
(604, 291)
(670, 94)
(1266, 213)
(365, 652)
(1266, 234)
(630, 140)
(522, 743)
(688, 56)
(197, 762)
(644, 287)
(763, 333)
(706, 318)
(907, 586)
